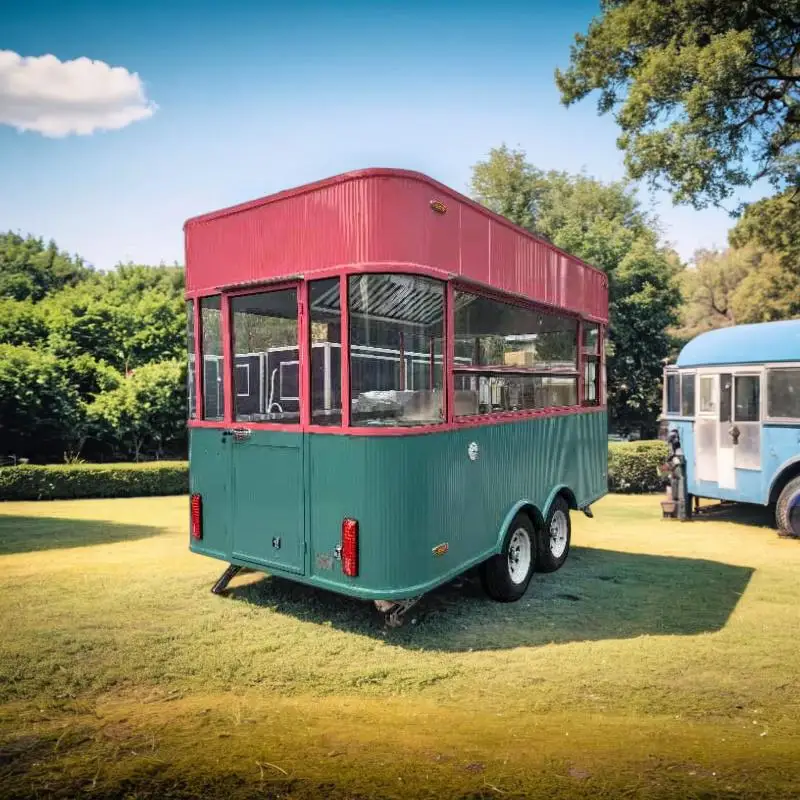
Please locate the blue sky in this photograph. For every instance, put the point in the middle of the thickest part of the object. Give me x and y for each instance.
(253, 98)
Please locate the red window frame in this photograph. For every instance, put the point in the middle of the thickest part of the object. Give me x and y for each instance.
(451, 284)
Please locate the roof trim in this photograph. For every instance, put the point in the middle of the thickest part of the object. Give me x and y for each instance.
(382, 172)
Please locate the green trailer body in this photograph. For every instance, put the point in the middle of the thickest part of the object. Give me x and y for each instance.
(276, 500)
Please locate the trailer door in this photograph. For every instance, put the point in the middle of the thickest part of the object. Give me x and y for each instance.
(266, 443)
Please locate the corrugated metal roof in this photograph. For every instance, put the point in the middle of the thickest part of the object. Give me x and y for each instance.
(758, 343)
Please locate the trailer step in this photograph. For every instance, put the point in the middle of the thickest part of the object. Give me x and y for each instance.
(222, 584)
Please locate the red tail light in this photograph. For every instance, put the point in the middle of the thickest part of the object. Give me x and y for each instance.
(197, 516)
(350, 547)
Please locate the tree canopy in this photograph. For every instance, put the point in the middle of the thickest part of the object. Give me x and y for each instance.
(604, 224)
(706, 93)
(78, 346)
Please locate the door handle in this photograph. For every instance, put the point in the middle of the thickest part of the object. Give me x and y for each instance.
(734, 433)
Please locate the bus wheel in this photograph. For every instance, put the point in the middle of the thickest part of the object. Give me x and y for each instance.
(787, 509)
(555, 538)
(506, 576)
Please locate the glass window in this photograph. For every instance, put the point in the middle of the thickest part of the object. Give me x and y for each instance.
(213, 359)
(190, 373)
(687, 395)
(591, 380)
(746, 395)
(783, 393)
(708, 402)
(326, 351)
(591, 338)
(673, 393)
(725, 396)
(497, 393)
(396, 342)
(490, 333)
(266, 357)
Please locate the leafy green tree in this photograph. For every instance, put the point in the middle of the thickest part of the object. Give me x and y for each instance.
(772, 224)
(769, 292)
(706, 93)
(129, 317)
(41, 414)
(603, 224)
(31, 269)
(22, 322)
(145, 413)
(708, 288)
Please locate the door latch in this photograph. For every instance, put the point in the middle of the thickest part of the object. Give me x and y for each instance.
(276, 542)
(735, 433)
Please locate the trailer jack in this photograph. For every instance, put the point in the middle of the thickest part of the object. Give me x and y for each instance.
(394, 611)
(222, 584)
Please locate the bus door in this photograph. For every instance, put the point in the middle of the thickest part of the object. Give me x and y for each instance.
(745, 427)
(266, 462)
(711, 466)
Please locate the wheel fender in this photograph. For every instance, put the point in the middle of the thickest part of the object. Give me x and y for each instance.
(779, 473)
(527, 505)
(569, 497)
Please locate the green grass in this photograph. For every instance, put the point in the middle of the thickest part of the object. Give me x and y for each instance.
(661, 661)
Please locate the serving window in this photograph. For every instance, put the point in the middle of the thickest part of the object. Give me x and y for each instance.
(511, 358)
(396, 334)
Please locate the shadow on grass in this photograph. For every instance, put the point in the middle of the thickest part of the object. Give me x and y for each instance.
(596, 595)
(739, 513)
(19, 534)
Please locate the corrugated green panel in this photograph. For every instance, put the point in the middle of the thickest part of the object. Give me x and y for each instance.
(408, 493)
(268, 518)
(209, 474)
(413, 493)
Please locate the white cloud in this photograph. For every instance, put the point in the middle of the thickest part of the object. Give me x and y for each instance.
(58, 98)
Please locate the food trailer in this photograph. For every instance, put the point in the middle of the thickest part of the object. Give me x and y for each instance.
(389, 385)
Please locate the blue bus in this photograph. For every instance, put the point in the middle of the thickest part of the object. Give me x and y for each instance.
(733, 397)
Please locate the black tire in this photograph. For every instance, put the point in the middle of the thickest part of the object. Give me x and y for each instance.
(552, 550)
(496, 572)
(787, 509)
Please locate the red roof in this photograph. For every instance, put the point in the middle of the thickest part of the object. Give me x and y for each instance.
(384, 217)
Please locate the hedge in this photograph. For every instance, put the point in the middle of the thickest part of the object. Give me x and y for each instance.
(633, 467)
(72, 481)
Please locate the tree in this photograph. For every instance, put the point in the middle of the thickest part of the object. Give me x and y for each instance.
(129, 317)
(706, 93)
(736, 287)
(772, 224)
(21, 322)
(145, 413)
(29, 269)
(708, 289)
(605, 225)
(41, 415)
(769, 292)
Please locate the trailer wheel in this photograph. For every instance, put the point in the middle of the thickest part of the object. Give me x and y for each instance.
(554, 540)
(506, 576)
(787, 509)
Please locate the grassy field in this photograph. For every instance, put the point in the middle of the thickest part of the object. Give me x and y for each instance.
(663, 660)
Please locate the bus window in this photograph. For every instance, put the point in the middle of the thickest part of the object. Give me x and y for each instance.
(673, 393)
(213, 359)
(687, 395)
(396, 327)
(747, 398)
(783, 393)
(326, 352)
(190, 374)
(266, 357)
